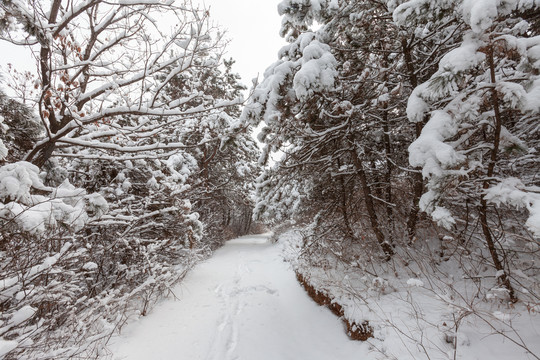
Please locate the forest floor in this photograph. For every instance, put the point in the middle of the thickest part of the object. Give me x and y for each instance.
(244, 303)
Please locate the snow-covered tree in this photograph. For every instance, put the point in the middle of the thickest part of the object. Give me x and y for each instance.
(100, 61)
(143, 167)
(225, 172)
(478, 147)
(334, 105)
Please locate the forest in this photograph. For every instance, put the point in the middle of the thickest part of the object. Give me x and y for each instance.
(399, 160)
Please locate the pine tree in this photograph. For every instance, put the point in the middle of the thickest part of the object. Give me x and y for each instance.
(478, 101)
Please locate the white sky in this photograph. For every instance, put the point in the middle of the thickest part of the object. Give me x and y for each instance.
(252, 27)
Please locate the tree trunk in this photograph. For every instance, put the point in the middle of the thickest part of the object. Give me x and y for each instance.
(418, 189)
(343, 205)
(368, 200)
(388, 175)
(417, 179)
(483, 209)
(41, 153)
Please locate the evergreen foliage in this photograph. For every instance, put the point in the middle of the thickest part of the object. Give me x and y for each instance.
(386, 112)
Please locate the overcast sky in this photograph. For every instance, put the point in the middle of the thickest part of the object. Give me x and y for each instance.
(252, 27)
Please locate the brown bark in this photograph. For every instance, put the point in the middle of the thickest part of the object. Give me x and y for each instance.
(370, 206)
(44, 62)
(418, 181)
(343, 205)
(483, 208)
(388, 174)
(40, 155)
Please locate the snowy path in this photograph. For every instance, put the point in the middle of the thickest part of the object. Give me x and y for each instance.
(242, 304)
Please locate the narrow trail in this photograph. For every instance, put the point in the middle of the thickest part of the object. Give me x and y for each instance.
(242, 304)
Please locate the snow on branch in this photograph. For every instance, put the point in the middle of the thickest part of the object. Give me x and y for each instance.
(513, 192)
(102, 62)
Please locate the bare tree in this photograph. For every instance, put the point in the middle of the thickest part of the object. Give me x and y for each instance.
(100, 61)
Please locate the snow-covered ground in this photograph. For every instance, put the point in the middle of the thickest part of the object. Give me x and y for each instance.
(245, 303)
(242, 304)
(425, 309)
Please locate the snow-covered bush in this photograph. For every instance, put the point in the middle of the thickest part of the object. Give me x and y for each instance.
(75, 266)
(22, 208)
(40, 258)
